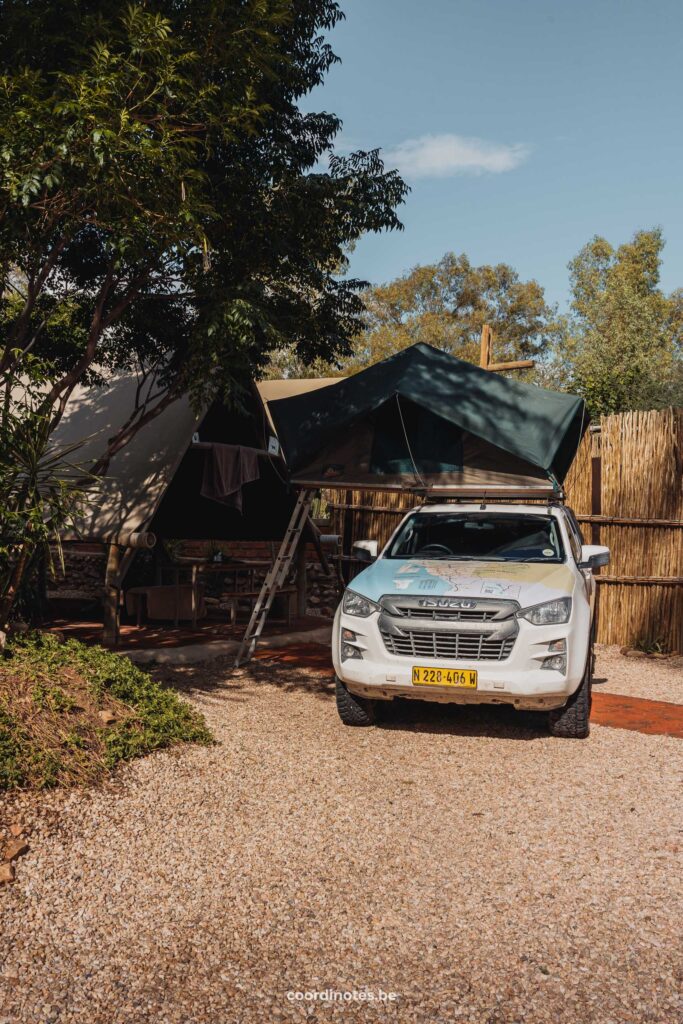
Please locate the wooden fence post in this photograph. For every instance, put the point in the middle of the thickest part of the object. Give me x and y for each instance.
(347, 535)
(596, 510)
(596, 496)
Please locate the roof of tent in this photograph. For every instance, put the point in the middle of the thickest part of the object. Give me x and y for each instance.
(156, 478)
(139, 474)
(498, 417)
(273, 390)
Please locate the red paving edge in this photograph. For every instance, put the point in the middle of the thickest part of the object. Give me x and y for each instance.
(653, 717)
(163, 636)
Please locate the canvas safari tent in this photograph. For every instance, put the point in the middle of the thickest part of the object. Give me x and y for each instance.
(154, 484)
(425, 421)
(152, 488)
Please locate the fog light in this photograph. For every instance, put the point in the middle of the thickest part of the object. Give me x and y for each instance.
(558, 647)
(348, 634)
(349, 651)
(558, 662)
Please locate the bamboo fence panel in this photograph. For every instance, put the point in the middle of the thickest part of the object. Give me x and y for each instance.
(642, 479)
(635, 460)
(577, 486)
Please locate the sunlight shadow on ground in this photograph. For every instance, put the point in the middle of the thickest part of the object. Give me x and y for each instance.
(221, 679)
(496, 721)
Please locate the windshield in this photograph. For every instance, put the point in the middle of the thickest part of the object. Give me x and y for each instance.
(485, 536)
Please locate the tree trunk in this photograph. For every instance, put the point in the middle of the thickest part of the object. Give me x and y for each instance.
(8, 598)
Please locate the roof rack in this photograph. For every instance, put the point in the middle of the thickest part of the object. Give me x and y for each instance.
(541, 494)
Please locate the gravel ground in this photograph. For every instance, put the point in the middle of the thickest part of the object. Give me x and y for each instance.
(654, 678)
(457, 858)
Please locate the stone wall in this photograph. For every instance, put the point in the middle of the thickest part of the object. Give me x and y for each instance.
(83, 578)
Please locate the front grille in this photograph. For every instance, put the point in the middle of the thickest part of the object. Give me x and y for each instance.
(422, 643)
(450, 614)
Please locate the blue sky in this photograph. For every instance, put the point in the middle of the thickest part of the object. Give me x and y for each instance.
(524, 127)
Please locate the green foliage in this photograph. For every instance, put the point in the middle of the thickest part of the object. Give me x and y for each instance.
(650, 644)
(11, 750)
(52, 697)
(161, 718)
(626, 334)
(64, 745)
(163, 203)
(445, 305)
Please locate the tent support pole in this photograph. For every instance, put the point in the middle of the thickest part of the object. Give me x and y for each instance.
(112, 592)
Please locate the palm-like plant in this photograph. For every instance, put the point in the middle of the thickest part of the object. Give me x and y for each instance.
(41, 493)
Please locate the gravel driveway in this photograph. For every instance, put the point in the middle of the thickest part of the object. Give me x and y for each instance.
(459, 860)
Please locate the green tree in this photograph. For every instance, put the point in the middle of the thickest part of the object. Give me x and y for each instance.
(160, 204)
(446, 304)
(625, 347)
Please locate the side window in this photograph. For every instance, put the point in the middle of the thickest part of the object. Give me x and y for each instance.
(575, 538)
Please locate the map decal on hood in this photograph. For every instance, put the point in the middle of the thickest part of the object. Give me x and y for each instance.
(526, 582)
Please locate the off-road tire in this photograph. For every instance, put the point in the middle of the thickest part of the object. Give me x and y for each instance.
(573, 720)
(353, 710)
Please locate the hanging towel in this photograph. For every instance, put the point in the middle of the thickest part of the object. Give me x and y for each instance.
(226, 470)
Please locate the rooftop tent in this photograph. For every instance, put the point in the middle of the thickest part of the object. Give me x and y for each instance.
(426, 421)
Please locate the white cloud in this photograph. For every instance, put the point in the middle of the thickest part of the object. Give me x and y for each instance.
(441, 156)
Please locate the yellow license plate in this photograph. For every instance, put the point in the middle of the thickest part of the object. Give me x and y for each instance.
(466, 678)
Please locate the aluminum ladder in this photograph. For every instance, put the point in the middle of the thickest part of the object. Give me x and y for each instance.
(276, 576)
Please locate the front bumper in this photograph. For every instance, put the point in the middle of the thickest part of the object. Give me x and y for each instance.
(518, 680)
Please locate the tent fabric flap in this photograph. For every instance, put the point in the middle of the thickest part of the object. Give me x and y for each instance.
(424, 419)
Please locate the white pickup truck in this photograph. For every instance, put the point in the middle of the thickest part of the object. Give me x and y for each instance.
(472, 603)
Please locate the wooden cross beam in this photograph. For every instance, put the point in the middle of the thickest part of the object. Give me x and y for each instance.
(487, 352)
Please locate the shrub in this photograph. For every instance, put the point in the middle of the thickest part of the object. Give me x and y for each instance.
(51, 697)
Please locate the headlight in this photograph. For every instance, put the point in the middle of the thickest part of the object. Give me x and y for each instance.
(354, 604)
(558, 662)
(550, 613)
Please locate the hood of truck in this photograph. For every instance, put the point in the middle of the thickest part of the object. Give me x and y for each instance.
(526, 582)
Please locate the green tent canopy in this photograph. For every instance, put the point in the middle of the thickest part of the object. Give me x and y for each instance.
(426, 421)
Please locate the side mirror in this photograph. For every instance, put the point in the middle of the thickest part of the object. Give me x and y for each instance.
(365, 550)
(593, 556)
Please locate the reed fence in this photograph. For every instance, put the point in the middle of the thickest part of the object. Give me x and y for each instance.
(626, 488)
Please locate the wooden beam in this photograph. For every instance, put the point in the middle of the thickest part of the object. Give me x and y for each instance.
(653, 581)
(520, 364)
(486, 355)
(623, 521)
(486, 345)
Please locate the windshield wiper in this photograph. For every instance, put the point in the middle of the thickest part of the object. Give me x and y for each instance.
(538, 558)
(480, 558)
(462, 558)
